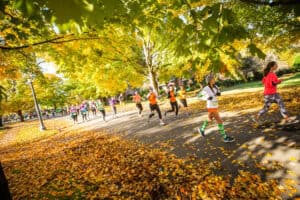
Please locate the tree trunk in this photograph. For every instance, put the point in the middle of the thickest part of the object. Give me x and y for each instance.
(4, 190)
(20, 115)
(1, 122)
(153, 81)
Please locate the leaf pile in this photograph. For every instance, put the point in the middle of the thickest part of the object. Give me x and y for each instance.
(91, 165)
(249, 100)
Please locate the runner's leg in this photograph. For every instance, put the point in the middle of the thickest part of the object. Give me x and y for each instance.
(279, 101)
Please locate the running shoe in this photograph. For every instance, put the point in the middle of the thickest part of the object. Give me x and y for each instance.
(228, 139)
(200, 131)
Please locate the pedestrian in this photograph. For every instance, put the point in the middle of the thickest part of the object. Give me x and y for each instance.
(173, 101)
(210, 93)
(152, 97)
(138, 102)
(101, 109)
(270, 82)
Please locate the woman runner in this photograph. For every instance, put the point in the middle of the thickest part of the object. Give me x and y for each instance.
(138, 102)
(112, 104)
(100, 107)
(73, 112)
(270, 82)
(173, 101)
(94, 108)
(154, 106)
(210, 93)
(83, 111)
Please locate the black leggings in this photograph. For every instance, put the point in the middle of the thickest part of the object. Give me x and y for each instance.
(74, 117)
(94, 111)
(140, 107)
(114, 108)
(174, 106)
(155, 107)
(83, 114)
(103, 114)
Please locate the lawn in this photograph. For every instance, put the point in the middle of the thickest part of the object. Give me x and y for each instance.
(288, 80)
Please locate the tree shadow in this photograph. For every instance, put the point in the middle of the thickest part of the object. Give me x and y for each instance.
(4, 190)
(270, 150)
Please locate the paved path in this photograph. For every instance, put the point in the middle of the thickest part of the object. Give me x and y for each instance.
(271, 150)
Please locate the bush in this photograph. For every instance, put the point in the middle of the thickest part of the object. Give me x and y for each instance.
(296, 67)
(285, 71)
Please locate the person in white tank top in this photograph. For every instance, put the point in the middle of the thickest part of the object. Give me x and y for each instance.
(210, 94)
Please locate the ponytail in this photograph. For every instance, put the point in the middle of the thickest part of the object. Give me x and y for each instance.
(268, 67)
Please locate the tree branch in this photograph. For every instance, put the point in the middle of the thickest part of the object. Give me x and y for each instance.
(55, 40)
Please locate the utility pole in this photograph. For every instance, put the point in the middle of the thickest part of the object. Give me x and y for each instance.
(37, 109)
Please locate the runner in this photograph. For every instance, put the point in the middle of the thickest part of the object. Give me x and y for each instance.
(94, 108)
(154, 106)
(83, 111)
(138, 102)
(182, 96)
(210, 93)
(183, 100)
(87, 106)
(270, 82)
(100, 107)
(173, 101)
(73, 113)
(112, 103)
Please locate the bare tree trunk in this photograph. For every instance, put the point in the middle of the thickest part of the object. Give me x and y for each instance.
(153, 81)
(20, 115)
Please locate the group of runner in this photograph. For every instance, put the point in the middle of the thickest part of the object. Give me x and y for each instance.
(209, 94)
(84, 109)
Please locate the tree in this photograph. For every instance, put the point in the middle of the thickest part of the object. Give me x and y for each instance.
(2, 97)
(188, 37)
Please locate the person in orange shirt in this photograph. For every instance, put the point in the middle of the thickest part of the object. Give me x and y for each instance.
(173, 101)
(154, 106)
(138, 102)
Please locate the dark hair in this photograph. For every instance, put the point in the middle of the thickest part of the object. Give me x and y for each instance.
(268, 67)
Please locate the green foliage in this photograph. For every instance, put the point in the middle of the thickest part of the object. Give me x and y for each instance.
(256, 51)
(99, 45)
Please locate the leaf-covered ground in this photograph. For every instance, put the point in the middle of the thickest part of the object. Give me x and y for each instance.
(86, 161)
(92, 165)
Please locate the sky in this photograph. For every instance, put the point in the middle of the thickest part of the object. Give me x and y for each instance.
(48, 67)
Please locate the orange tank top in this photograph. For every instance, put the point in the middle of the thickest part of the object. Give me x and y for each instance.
(172, 96)
(137, 98)
(152, 99)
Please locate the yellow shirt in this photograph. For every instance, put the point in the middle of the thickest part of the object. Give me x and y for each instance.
(181, 94)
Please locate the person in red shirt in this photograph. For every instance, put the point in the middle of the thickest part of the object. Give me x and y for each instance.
(270, 82)
(138, 102)
(173, 101)
(154, 106)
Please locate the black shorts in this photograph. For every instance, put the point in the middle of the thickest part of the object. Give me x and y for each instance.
(139, 106)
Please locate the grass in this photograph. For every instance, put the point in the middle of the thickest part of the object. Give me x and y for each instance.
(288, 80)
(19, 133)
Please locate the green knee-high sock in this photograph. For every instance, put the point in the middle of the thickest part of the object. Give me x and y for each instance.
(221, 130)
(204, 125)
